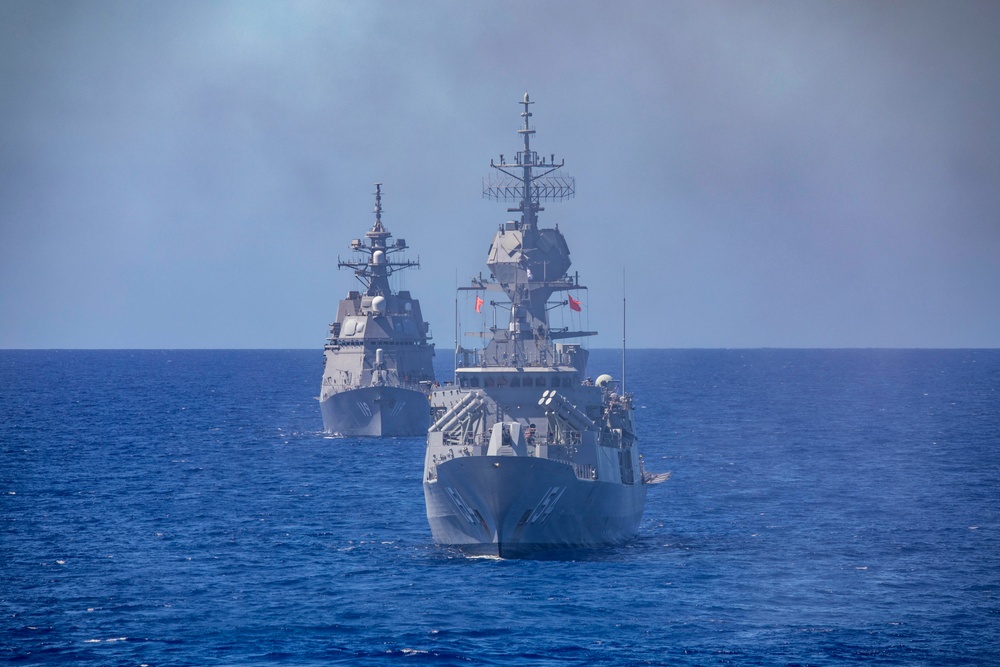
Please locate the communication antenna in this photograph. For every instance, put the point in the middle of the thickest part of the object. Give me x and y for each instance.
(534, 184)
(623, 331)
(372, 264)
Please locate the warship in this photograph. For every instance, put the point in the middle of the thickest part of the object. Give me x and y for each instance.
(378, 366)
(526, 456)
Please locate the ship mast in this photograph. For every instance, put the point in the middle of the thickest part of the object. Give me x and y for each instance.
(529, 207)
(374, 270)
(528, 264)
(522, 184)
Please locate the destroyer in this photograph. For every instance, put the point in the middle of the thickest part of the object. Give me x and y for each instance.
(378, 367)
(525, 455)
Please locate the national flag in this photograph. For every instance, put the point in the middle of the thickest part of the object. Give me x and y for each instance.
(573, 303)
(479, 304)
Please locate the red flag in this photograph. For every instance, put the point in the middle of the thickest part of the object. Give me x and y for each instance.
(479, 304)
(573, 303)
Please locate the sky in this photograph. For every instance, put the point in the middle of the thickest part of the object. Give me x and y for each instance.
(748, 174)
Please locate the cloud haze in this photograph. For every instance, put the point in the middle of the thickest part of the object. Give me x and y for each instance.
(777, 174)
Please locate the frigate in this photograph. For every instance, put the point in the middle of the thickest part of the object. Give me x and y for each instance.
(378, 365)
(526, 456)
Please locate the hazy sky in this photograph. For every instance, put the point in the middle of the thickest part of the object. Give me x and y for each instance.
(776, 174)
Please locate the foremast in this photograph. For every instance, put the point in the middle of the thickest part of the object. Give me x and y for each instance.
(528, 264)
(374, 266)
(522, 183)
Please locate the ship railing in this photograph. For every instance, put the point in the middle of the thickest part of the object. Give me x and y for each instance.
(451, 453)
(564, 437)
(541, 357)
(581, 470)
(468, 438)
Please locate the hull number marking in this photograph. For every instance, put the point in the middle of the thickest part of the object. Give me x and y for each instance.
(462, 507)
(546, 504)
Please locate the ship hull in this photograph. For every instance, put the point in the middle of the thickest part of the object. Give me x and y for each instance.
(524, 507)
(376, 412)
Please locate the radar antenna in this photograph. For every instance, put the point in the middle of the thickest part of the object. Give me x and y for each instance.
(528, 180)
(374, 270)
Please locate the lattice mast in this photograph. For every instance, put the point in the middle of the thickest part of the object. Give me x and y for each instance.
(521, 183)
(374, 268)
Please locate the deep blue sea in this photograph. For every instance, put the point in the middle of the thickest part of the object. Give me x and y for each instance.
(827, 507)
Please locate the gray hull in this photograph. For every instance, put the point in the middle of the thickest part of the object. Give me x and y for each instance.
(376, 412)
(515, 507)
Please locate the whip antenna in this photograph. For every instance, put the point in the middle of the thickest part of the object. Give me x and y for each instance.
(623, 331)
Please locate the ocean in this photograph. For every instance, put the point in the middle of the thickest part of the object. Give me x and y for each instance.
(827, 507)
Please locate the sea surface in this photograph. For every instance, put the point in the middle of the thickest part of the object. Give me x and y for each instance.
(827, 507)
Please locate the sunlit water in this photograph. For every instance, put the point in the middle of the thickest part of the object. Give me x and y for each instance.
(183, 508)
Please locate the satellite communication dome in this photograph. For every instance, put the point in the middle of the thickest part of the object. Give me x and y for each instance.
(378, 257)
(378, 305)
(603, 380)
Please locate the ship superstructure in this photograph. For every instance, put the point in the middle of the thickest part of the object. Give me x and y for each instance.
(377, 359)
(525, 455)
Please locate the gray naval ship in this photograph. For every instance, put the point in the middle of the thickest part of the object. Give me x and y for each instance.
(378, 369)
(526, 457)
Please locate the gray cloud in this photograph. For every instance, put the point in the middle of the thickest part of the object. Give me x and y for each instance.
(768, 174)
